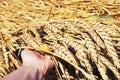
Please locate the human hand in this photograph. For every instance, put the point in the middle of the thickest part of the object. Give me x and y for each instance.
(36, 59)
(35, 65)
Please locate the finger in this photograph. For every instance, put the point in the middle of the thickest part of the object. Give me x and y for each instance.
(37, 51)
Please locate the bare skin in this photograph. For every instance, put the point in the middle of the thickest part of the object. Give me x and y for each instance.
(35, 66)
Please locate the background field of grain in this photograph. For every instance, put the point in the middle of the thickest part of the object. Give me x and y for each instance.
(84, 36)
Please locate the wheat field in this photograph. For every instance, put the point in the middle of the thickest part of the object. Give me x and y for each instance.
(83, 36)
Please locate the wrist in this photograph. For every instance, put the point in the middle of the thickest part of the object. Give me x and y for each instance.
(34, 72)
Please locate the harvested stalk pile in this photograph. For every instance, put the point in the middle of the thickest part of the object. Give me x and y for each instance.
(83, 47)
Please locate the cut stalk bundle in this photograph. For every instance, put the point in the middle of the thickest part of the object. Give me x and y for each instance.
(85, 50)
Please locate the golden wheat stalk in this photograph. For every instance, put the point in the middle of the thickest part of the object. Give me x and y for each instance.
(77, 48)
(51, 35)
(96, 38)
(94, 55)
(84, 62)
(3, 71)
(110, 66)
(110, 48)
(64, 52)
(102, 69)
